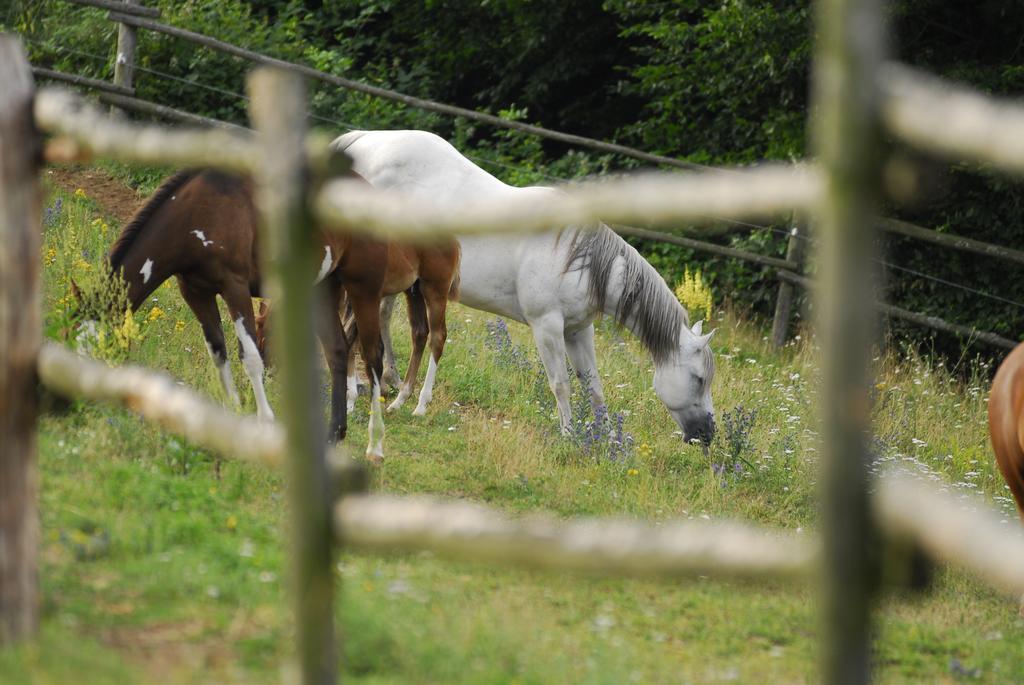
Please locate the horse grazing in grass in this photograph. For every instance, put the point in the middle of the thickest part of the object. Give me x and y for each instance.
(200, 226)
(556, 282)
(429, 277)
(1006, 422)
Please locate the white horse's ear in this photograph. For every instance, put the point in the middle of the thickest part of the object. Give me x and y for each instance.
(705, 339)
(698, 327)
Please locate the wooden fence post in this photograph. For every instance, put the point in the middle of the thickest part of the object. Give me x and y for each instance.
(847, 142)
(124, 62)
(278, 112)
(784, 301)
(20, 337)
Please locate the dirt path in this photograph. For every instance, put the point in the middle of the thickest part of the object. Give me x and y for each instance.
(115, 198)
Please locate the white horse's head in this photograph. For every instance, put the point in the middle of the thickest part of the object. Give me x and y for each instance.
(683, 384)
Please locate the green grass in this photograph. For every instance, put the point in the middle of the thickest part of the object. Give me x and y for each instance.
(162, 564)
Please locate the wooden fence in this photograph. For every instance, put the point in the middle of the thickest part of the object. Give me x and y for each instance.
(857, 96)
(131, 17)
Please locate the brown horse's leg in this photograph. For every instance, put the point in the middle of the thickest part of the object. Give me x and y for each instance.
(239, 302)
(203, 304)
(419, 328)
(365, 306)
(336, 350)
(436, 297)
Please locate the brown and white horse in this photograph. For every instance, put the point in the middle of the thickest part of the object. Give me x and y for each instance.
(429, 277)
(200, 226)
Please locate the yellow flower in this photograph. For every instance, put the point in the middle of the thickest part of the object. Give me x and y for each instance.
(82, 265)
(154, 314)
(80, 193)
(231, 522)
(179, 326)
(127, 332)
(644, 450)
(51, 256)
(694, 295)
(633, 472)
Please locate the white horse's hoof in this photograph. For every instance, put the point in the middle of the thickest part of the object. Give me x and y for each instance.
(374, 457)
(419, 411)
(397, 404)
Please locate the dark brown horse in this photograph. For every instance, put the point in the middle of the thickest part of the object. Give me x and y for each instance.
(200, 226)
(429, 277)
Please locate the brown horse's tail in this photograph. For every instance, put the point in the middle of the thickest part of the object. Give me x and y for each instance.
(453, 291)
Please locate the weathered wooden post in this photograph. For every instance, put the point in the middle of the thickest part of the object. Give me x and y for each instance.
(124, 63)
(278, 112)
(20, 337)
(784, 300)
(847, 142)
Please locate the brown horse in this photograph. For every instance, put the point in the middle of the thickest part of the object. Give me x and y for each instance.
(201, 227)
(1006, 422)
(429, 277)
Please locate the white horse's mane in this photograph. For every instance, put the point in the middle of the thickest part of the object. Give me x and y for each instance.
(646, 305)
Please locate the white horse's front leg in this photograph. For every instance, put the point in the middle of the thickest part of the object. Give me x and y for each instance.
(387, 309)
(580, 346)
(548, 333)
(375, 447)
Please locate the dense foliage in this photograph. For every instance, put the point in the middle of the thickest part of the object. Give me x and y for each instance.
(714, 82)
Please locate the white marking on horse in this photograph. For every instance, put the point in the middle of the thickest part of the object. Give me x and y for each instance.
(146, 270)
(253, 363)
(375, 448)
(202, 238)
(226, 381)
(325, 266)
(427, 391)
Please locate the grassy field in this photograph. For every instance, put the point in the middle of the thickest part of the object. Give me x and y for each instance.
(162, 564)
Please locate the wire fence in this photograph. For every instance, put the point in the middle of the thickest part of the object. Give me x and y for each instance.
(145, 19)
(858, 527)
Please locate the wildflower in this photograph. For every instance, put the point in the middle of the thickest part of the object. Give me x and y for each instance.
(51, 256)
(231, 523)
(82, 265)
(633, 472)
(179, 326)
(693, 294)
(154, 314)
(644, 450)
(80, 193)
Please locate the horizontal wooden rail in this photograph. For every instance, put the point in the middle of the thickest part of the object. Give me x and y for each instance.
(950, 240)
(170, 113)
(161, 400)
(474, 532)
(409, 100)
(705, 247)
(83, 81)
(123, 8)
(62, 112)
(950, 119)
(650, 198)
(920, 319)
(960, 531)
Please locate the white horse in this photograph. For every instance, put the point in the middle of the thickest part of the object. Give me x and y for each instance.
(556, 282)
